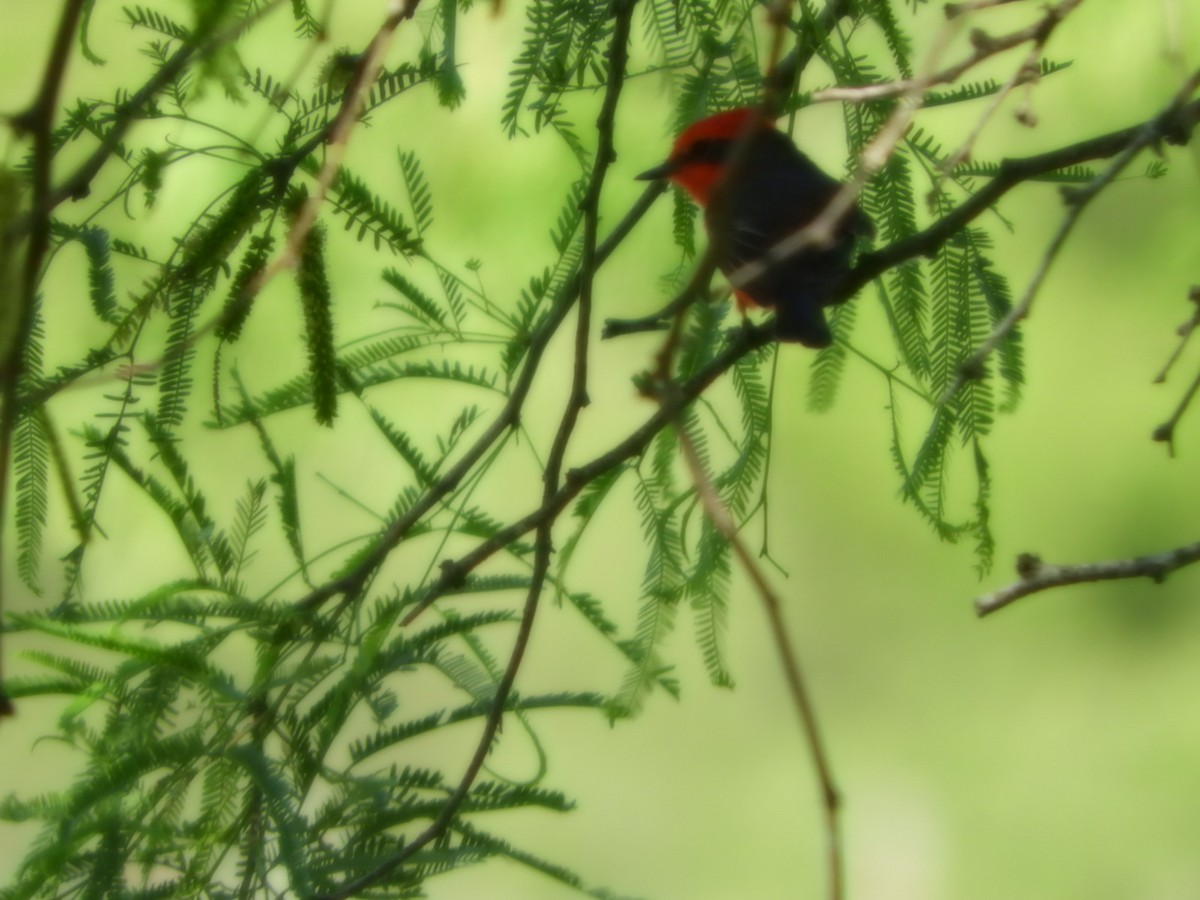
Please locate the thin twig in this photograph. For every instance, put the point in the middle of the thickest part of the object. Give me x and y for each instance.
(1036, 576)
(718, 514)
(1185, 332)
(1026, 71)
(336, 141)
(1166, 431)
(985, 45)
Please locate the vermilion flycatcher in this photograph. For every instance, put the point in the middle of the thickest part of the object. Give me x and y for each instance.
(777, 191)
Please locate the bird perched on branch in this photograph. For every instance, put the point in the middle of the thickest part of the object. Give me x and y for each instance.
(776, 191)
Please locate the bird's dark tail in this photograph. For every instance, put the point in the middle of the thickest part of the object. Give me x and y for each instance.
(802, 322)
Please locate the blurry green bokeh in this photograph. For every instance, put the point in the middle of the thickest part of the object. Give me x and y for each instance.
(1049, 752)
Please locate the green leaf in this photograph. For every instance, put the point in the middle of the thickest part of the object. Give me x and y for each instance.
(316, 298)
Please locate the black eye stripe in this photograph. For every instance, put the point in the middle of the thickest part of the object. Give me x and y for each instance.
(706, 150)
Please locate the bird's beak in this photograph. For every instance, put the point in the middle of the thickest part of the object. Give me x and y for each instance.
(666, 170)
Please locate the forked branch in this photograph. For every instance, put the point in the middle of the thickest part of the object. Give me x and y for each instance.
(1037, 576)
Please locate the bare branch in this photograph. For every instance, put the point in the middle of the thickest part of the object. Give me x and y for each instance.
(985, 45)
(718, 514)
(1185, 332)
(1038, 576)
(972, 367)
(1166, 431)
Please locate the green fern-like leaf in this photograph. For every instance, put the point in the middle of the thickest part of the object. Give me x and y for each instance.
(546, 20)
(663, 585)
(426, 474)
(307, 24)
(450, 86)
(152, 20)
(317, 300)
(283, 809)
(417, 304)
(240, 298)
(585, 509)
(250, 519)
(476, 839)
(393, 82)
(101, 280)
(708, 593)
(827, 368)
(31, 457)
(683, 220)
(175, 378)
(419, 199)
(284, 478)
(890, 202)
(193, 279)
(676, 29)
(351, 197)
(995, 290)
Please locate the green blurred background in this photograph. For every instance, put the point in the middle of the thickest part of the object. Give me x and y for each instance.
(1052, 751)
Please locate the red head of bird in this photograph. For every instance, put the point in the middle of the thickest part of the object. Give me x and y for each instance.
(698, 157)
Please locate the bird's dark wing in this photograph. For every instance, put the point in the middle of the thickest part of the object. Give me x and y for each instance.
(779, 191)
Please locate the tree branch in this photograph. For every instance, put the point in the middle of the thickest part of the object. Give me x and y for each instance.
(1175, 128)
(744, 340)
(38, 120)
(78, 184)
(618, 58)
(972, 366)
(718, 514)
(985, 45)
(1037, 576)
(1166, 431)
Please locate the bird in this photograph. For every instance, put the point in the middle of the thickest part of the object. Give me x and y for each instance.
(777, 191)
